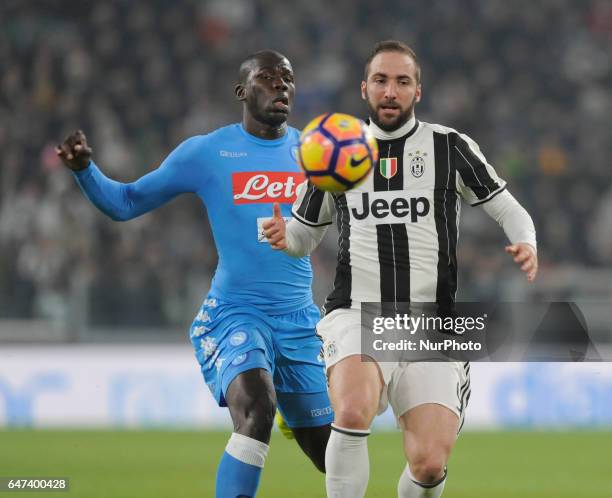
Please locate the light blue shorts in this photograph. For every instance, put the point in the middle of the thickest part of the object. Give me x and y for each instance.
(230, 339)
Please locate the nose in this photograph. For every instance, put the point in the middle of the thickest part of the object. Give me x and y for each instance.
(280, 84)
(390, 90)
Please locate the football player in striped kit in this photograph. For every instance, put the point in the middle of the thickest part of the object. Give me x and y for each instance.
(398, 242)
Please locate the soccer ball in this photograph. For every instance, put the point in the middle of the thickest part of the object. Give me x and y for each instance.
(337, 152)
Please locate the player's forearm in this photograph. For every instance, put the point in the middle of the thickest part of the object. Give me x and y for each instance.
(513, 218)
(302, 239)
(119, 201)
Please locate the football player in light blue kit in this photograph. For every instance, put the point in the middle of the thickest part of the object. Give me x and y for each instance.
(254, 335)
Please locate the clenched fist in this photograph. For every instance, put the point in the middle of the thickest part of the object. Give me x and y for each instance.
(74, 152)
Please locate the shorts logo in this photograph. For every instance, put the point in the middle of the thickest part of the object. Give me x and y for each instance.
(219, 363)
(240, 359)
(319, 412)
(417, 163)
(238, 338)
(209, 346)
(199, 331)
(203, 316)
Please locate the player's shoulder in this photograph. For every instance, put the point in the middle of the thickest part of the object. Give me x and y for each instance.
(192, 145)
(200, 144)
(227, 132)
(438, 128)
(447, 130)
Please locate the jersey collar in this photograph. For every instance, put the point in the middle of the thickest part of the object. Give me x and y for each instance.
(408, 128)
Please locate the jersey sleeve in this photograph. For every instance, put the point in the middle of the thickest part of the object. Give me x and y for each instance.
(477, 181)
(123, 201)
(313, 207)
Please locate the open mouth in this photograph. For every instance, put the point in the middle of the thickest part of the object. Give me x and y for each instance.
(389, 107)
(281, 104)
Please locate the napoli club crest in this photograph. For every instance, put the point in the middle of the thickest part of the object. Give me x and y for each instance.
(417, 163)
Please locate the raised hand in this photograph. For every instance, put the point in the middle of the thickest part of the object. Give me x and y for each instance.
(275, 229)
(74, 152)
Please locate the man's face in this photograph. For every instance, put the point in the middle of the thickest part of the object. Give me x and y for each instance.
(391, 90)
(269, 90)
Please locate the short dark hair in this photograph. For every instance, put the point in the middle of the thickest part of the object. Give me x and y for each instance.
(392, 46)
(254, 58)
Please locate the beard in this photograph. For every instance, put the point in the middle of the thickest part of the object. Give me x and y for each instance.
(401, 119)
(267, 116)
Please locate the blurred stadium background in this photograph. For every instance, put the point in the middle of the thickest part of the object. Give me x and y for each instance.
(94, 314)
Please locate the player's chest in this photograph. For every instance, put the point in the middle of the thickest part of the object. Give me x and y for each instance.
(258, 179)
(403, 187)
(404, 165)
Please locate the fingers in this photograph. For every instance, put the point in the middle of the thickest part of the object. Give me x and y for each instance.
(532, 274)
(65, 151)
(276, 240)
(276, 210)
(513, 249)
(74, 151)
(271, 231)
(274, 230)
(526, 257)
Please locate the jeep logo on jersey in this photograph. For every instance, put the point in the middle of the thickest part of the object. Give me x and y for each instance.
(389, 207)
(266, 186)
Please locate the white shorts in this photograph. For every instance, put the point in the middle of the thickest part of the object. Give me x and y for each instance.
(407, 384)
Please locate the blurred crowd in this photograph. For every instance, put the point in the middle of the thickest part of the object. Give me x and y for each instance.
(529, 81)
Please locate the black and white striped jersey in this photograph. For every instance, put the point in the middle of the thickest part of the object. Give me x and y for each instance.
(399, 228)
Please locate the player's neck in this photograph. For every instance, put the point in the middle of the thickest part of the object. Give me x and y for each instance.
(263, 130)
(392, 134)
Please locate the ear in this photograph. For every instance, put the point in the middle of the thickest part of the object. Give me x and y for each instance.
(417, 94)
(240, 92)
(363, 90)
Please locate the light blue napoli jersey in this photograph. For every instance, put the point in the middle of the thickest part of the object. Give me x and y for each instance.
(238, 177)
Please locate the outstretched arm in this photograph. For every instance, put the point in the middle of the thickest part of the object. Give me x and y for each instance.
(519, 228)
(294, 238)
(124, 201)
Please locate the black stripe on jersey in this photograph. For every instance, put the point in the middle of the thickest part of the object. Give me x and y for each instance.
(445, 215)
(307, 223)
(472, 170)
(392, 239)
(488, 199)
(340, 297)
(310, 207)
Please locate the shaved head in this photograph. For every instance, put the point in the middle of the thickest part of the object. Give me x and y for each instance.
(258, 59)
